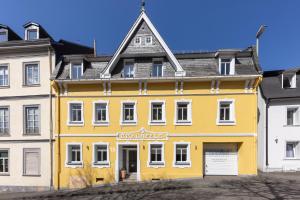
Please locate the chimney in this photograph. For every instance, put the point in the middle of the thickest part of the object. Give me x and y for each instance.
(95, 48)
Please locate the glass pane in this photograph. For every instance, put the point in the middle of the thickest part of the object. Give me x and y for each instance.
(3, 36)
(32, 34)
(290, 150)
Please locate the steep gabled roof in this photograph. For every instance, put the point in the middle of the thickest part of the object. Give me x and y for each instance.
(143, 17)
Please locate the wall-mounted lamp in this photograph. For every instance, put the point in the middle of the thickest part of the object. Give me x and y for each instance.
(196, 147)
(276, 140)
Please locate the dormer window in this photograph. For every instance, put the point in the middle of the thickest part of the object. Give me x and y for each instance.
(76, 71)
(148, 40)
(289, 80)
(128, 71)
(3, 36)
(138, 40)
(157, 69)
(226, 66)
(32, 34)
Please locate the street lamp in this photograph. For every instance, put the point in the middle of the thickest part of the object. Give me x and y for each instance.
(260, 31)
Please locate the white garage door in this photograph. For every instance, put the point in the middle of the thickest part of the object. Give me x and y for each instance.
(221, 161)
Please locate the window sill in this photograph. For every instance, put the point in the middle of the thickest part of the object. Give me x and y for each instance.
(75, 123)
(28, 175)
(226, 123)
(156, 164)
(183, 123)
(101, 164)
(4, 86)
(4, 174)
(32, 85)
(291, 158)
(100, 123)
(31, 134)
(296, 125)
(133, 123)
(182, 164)
(157, 123)
(5, 135)
(74, 165)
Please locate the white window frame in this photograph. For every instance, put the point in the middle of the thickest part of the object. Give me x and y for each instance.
(293, 82)
(231, 68)
(25, 119)
(25, 76)
(151, 40)
(134, 121)
(157, 122)
(124, 65)
(296, 150)
(186, 164)
(69, 122)
(101, 123)
(105, 164)
(8, 74)
(8, 158)
(296, 116)
(40, 160)
(162, 67)
(187, 122)
(8, 108)
(138, 43)
(6, 34)
(232, 120)
(73, 164)
(32, 28)
(71, 75)
(156, 164)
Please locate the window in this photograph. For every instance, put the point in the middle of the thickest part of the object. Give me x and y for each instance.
(157, 112)
(32, 74)
(292, 150)
(100, 112)
(138, 40)
(148, 40)
(74, 156)
(32, 120)
(182, 154)
(226, 66)
(4, 75)
(32, 162)
(32, 34)
(157, 69)
(183, 112)
(129, 115)
(3, 36)
(76, 71)
(292, 116)
(75, 113)
(128, 71)
(4, 121)
(156, 154)
(226, 112)
(289, 80)
(101, 154)
(4, 166)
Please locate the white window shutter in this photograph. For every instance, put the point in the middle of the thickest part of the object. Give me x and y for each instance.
(232, 66)
(32, 163)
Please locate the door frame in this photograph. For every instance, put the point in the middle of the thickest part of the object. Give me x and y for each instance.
(117, 162)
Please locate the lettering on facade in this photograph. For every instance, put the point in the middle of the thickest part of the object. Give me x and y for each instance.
(142, 135)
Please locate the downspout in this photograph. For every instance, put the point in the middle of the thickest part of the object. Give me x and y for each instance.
(267, 132)
(59, 89)
(51, 121)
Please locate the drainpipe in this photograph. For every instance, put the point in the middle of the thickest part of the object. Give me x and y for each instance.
(267, 132)
(59, 90)
(51, 121)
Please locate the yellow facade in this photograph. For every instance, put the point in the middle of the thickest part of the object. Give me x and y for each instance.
(203, 129)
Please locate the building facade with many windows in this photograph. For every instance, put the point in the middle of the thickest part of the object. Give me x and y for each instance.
(148, 114)
(26, 128)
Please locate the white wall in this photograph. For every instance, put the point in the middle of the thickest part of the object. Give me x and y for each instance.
(261, 137)
(278, 131)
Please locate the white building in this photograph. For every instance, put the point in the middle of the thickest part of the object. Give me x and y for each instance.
(26, 103)
(279, 121)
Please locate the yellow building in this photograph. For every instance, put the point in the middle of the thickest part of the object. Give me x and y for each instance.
(150, 114)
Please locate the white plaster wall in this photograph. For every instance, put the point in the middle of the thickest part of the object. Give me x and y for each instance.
(278, 130)
(261, 137)
(16, 177)
(15, 65)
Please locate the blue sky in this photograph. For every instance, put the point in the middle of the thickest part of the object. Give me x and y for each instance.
(186, 25)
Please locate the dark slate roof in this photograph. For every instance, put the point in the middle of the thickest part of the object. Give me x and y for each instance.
(195, 64)
(271, 85)
(11, 34)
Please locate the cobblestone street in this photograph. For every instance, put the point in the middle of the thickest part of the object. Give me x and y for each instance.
(264, 186)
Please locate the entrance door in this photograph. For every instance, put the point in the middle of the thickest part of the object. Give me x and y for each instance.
(132, 161)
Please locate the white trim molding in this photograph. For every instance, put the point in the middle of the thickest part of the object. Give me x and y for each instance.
(186, 164)
(101, 123)
(135, 117)
(104, 164)
(187, 122)
(76, 164)
(79, 123)
(160, 163)
(232, 117)
(161, 122)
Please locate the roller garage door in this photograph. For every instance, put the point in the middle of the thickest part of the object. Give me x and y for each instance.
(220, 159)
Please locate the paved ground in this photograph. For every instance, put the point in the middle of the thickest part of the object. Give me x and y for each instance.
(265, 186)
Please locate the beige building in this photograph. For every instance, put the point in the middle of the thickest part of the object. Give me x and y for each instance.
(26, 102)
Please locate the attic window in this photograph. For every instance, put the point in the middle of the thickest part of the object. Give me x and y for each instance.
(32, 34)
(148, 40)
(226, 66)
(138, 41)
(76, 71)
(289, 80)
(3, 36)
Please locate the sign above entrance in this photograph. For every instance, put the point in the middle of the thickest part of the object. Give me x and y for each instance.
(142, 134)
